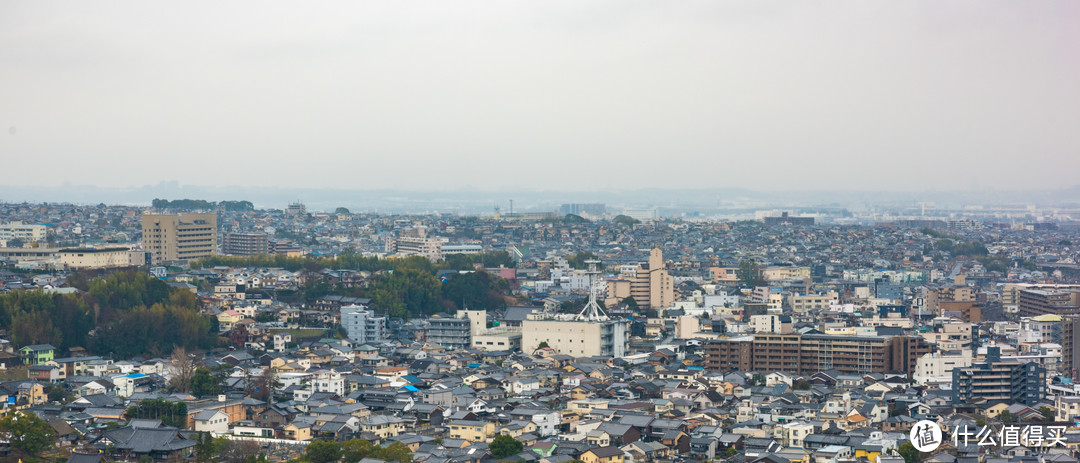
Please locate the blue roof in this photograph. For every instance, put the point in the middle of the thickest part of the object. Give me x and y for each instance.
(134, 375)
(410, 388)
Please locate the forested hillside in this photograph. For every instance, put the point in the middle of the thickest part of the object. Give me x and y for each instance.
(125, 313)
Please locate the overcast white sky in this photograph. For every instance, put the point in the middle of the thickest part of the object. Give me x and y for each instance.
(898, 95)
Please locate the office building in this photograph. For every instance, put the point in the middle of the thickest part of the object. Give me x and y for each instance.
(583, 209)
(26, 233)
(786, 219)
(245, 244)
(297, 208)
(179, 237)
(576, 338)
(997, 380)
(86, 258)
(361, 325)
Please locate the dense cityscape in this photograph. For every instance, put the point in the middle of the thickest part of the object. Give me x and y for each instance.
(189, 329)
(557, 231)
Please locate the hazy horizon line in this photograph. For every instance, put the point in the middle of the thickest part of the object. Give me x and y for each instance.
(175, 184)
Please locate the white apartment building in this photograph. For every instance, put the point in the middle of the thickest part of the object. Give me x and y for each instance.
(361, 324)
(937, 367)
(25, 232)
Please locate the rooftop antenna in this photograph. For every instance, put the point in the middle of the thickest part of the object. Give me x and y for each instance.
(592, 310)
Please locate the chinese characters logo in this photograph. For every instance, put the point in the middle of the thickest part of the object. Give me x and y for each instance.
(925, 436)
(1035, 435)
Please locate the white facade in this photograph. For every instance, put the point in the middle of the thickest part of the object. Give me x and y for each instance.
(362, 325)
(935, 367)
(212, 421)
(25, 232)
(329, 381)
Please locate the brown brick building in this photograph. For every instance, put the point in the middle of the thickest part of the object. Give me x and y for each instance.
(805, 354)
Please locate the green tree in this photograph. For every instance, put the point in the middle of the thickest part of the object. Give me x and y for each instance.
(170, 413)
(478, 290)
(749, 273)
(630, 303)
(27, 432)
(626, 220)
(758, 379)
(354, 450)
(504, 446)
(203, 383)
(910, 453)
(405, 292)
(207, 447)
(578, 260)
(323, 451)
(341, 210)
(1006, 417)
(1047, 413)
(396, 452)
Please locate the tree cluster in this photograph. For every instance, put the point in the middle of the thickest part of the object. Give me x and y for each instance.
(170, 413)
(475, 289)
(961, 248)
(201, 204)
(749, 273)
(209, 448)
(578, 260)
(504, 446)
(400, 287)
(125, 313)
(27, 432)
(352, 261)
(352, 451)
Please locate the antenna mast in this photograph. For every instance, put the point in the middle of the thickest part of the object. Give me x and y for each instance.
(592, 310)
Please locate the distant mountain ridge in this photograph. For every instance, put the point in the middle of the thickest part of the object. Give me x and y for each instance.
(527, 200)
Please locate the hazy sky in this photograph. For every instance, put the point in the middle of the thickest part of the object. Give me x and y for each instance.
(900, 95)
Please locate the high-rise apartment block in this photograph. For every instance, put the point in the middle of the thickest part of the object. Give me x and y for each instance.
(184, 236)
(997, 380)
(245, 244)
(650, 285)
(362, 325)
(1034, 302)
(450, 333)
(1070, 347)
(809, 353)
(415, 242)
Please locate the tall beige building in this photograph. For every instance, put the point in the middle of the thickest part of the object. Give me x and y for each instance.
(179, 236)
(650, 285)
